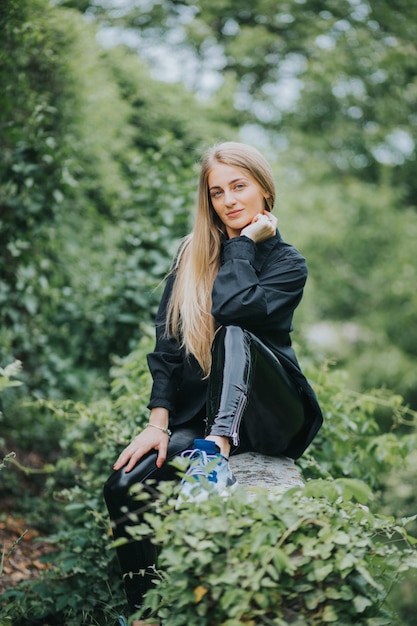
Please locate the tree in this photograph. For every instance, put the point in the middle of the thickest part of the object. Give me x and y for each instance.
(97, 186)
(334, 87)
(343, 74)
(33, 105)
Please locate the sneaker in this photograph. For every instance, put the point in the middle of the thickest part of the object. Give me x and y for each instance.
(209, 472)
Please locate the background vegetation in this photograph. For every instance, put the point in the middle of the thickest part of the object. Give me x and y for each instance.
(97, 181)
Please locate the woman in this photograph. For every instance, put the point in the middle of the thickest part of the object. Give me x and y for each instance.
(225, 377)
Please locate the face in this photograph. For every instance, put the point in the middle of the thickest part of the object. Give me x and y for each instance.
(236, 197)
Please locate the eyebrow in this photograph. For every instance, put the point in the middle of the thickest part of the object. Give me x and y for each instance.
(231, 182)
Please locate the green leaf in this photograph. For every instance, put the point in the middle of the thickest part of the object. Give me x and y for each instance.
(361, 603)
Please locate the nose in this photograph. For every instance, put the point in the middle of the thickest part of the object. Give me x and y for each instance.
(229, 198)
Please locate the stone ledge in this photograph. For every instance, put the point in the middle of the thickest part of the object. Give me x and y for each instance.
(258, 470)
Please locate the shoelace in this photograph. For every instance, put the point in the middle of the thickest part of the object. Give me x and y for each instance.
(197, 455)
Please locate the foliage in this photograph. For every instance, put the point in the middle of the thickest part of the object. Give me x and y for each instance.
(341, 74)
(359, 229)
(313, 555)
(334, 87)
(399, 496)
(31, 179)
(99, 172)
(93, 184)
(36, 116)
(8, 373)
(83, 586)
(97, 177)
(7, 381)
(3, 463)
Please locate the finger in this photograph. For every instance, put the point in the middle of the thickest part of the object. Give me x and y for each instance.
(272, 220)
(162, 455)
(133, 460)
(125, 456)
(121, 460)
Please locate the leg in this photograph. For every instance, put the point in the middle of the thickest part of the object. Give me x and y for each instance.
(137, 559)
(250, 395)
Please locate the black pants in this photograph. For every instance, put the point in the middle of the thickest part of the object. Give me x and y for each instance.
(250, 399)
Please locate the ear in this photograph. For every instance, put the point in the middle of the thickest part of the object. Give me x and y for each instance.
(267, 203)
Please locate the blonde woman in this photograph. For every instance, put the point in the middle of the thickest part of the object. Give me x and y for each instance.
(225, 377)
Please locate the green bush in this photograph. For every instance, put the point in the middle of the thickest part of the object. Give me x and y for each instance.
(315, 529)
(82, 585)
(313, 555)
(361, 435)
(97, 183)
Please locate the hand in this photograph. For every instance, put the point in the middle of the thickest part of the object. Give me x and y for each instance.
(149, 439)
(263, 226)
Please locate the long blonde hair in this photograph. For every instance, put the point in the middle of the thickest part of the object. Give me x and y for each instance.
(189, 316)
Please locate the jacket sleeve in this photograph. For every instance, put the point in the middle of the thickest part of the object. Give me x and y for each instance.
(258, 299)
(166, 361)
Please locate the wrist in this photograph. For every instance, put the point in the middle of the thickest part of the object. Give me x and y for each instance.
(167, 431)
(159, 416)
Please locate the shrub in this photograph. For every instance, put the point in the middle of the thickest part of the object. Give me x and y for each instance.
(314, 555)
(82, 583)
(362, 432)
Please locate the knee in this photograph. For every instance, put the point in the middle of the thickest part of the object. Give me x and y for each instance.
(231, 330)
(232, 340)
(116, 487)
(227, 335)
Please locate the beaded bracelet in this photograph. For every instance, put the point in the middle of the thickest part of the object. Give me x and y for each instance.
(167, 431)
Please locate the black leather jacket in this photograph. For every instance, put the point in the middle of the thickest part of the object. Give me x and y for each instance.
(258, 287)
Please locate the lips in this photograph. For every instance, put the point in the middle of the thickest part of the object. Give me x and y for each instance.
(235, 213)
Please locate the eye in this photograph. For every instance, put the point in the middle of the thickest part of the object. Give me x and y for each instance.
(239, 186)
(216, 194)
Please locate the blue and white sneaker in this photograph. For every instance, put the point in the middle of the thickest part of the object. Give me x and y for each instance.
(208, 473)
